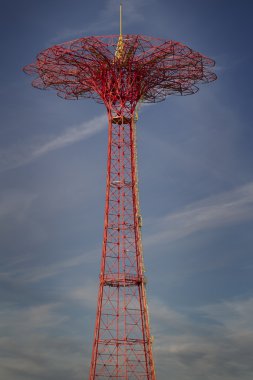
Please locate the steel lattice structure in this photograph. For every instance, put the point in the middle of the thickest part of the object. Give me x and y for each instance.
(121, 71)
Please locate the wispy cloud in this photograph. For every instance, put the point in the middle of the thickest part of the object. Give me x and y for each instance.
(85, 296)
(13, 271)
(228, 208)
(14, 203)
(215, 340)
(30, 350)
(33, 317)
(19, 155)
(107, 20)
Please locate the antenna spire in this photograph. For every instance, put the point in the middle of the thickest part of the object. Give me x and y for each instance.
(120, 18)
(120, 44)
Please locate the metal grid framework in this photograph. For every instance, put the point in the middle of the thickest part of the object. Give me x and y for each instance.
(121, 71)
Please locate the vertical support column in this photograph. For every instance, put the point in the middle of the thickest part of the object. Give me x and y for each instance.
(138, 223)
(122, 343)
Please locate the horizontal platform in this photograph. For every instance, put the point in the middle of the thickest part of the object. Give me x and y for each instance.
(128, 341)
(123, 280)
(120, 184)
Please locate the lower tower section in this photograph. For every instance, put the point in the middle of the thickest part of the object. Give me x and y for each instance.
(122, 347)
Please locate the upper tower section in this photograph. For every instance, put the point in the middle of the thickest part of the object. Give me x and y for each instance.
(119, 70)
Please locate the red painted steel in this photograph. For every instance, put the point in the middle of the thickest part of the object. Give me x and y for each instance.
(121, 74)
(122, 345)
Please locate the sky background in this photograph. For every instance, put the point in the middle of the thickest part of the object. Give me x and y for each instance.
(196, 190)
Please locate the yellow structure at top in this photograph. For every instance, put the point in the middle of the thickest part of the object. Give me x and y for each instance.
(120, 45)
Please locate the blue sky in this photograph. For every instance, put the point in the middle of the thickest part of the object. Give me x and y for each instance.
(196, 189)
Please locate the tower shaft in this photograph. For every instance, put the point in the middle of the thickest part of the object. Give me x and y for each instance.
(122, 347)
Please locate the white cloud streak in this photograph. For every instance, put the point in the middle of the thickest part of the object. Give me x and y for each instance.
(231, 207)
(23, 154)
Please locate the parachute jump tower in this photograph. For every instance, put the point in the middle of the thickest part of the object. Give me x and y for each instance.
(121, 71)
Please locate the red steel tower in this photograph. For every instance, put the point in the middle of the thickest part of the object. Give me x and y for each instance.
(121, 71)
